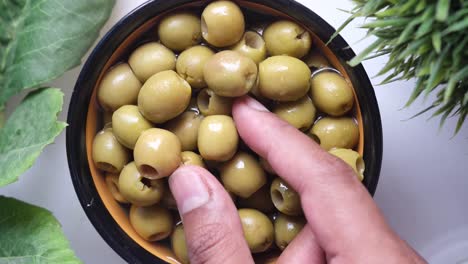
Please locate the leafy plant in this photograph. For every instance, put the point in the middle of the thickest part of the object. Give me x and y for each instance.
(426, 40)
(40, 40)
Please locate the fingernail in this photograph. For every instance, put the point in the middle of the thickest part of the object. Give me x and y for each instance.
(254, 104)
(189, 190)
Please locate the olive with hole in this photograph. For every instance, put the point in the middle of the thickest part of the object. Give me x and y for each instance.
(243, 175)
(217, 138)
(152, 223)
(260, 200)
(352, 158)
(164, 96)
(112, 183)
(190, 65)
(210, 103)
(179, 31)
(107, 152)
(118, 87)
(179, 245)
(258, 229)
(285, 37)
(185, 127)
(283, 78)
(229, 73)
(139, 190)
(300, 114)
(151, 58)
(222, 23)
(251, 45)
(285, 198)
(192, 158)
(335, 132)
(331, 93)
(315, 59)
(128, 123)
(286, 229)
(157, 153)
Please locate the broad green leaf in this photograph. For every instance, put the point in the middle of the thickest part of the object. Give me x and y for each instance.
(31, 235)
(31, 127)
(43, 39)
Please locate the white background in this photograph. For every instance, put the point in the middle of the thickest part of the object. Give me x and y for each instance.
(422, 189)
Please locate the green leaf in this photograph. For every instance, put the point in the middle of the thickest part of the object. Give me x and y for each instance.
(437, 41)
(31, 127)
(44, 39)
(442, 10)
(31, 235)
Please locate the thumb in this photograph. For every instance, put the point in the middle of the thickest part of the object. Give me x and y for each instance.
(212, 227)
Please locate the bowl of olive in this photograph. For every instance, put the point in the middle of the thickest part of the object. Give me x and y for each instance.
(157, 91)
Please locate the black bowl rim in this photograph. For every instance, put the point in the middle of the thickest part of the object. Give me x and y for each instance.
(76, 149)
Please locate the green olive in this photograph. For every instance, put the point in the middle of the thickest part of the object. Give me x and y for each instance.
(285, 199)
(185, 127)
(112, 183)
(266, 166)
(258, 230)
(315, 59)
(164, 96)
(138, 190)
(331, 93)
(217, 138)
(108, 154)
(127, 124)
(260, 200)
(118, 87)
(179, 31)
(229, 73)
(157, 153)
(152, 223)
(190, 64)
(300, 113)
(352, 158)
(151, 58)
(283, 78)
(179, 245)
(243, 175)
(287, 38)
(192, 158)
(286, 229)
(222, 23)
(336, 132)
(211, 104)
(251, 45)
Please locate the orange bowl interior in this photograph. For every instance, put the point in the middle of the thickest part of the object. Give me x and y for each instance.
(93, 125)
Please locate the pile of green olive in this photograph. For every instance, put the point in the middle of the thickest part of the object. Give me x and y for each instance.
(170, 104)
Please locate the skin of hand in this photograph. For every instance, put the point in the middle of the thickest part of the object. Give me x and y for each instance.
(344, 224)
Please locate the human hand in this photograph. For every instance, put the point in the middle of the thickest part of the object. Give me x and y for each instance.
(344, 224)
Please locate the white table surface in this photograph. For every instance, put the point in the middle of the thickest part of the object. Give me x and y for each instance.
(423, 183)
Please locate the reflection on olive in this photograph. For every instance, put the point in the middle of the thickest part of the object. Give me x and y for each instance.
(335, 132)
(258, 229)
(331, 93)
(138, 190)
(157, 153)
(118, 87)
(164, 96)
(153, 223)
(108, 154)
(128, 123)
(185, 127)
(285, 198)
(179, 31)
(286, 229)
(151, 58)
(242, 175)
